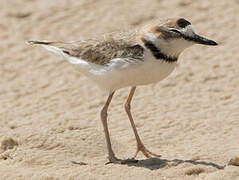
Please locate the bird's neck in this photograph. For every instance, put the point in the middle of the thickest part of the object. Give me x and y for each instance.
(166, 49)
(157, 52)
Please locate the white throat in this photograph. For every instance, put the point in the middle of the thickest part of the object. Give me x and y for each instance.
(173, 47)
(170, 47)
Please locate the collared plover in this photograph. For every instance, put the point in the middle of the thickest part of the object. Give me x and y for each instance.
(125, 59)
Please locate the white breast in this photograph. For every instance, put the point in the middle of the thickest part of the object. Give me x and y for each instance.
(123, 72)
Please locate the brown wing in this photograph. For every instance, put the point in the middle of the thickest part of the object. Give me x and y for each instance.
(101, 51)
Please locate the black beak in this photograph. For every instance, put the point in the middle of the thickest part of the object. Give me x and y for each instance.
(202, 40)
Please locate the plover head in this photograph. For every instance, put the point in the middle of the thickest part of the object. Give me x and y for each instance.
(172, 36)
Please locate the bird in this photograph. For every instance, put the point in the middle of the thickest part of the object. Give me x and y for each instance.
(129, 59)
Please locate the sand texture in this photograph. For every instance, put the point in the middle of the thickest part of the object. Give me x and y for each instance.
(50, 126)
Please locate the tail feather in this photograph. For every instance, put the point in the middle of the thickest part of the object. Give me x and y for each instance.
(58, 47)
(38, 42)
(66, 50)
(50, 46)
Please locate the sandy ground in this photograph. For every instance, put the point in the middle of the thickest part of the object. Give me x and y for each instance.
(50, 126)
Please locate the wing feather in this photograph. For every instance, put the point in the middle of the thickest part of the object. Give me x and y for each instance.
(99, 51)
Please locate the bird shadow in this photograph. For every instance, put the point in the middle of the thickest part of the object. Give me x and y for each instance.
(154, 163)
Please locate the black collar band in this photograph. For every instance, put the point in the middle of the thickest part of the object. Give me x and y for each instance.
(158, 54)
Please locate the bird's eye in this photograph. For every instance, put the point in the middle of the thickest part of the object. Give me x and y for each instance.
(183, 23)
(175, 30)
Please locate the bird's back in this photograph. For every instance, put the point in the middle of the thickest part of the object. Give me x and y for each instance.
(101, 50)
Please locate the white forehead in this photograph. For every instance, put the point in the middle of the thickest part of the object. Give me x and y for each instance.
(188, 30)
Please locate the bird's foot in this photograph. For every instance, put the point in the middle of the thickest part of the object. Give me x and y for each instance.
(115, 160)
(145, 151)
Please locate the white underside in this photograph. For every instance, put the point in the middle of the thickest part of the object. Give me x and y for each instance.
(121, 72)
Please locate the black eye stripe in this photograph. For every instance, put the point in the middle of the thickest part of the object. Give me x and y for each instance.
(175, 30)
(182, 23)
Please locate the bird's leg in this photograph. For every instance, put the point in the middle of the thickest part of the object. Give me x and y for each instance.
(111, 156)
(140, 145)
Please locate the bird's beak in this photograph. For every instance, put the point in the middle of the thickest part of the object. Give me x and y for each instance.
(202, 40)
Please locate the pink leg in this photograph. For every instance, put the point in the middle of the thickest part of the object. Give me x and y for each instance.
(111, 156)
(140, 146)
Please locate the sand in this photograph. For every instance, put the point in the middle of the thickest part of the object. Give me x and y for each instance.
(50, 126)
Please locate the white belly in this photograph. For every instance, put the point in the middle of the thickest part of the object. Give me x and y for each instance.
(121, 74)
